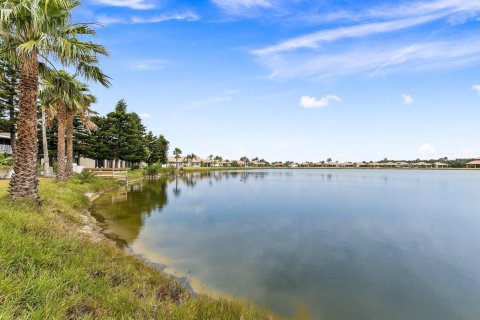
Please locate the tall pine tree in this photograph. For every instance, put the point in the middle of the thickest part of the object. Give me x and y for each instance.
(9, 77)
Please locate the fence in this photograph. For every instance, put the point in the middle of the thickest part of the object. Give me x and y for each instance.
(117, 174)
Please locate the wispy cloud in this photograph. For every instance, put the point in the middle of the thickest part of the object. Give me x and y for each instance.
(149, 64)
(407, 99)
(312, 102)
(426, 150)
(145, 115)
(242, 7)
(221, 97)
(476, 88)
(313, 40)
(376, 59)
(359, 47)
(181, 16)
(132, 4)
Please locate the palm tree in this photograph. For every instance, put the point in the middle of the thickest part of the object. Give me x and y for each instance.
(177, 152)
(68, 97)
(80, 107)
(46, 161)
(33, 30)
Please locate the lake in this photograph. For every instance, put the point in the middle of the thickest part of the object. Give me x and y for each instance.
(341, 244)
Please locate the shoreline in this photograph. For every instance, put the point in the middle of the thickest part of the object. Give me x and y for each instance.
(154, 259)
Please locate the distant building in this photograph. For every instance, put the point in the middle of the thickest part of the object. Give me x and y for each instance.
(474, 164)
(5, 143)
(440, 165)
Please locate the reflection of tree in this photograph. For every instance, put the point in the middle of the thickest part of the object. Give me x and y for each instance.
(176, 190)
(126, 214)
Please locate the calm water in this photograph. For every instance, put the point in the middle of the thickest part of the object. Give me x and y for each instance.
(344, 244)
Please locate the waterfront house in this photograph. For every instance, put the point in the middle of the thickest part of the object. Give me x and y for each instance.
(346, 165)
(440, 165)
(374, 165)
(423, 165)
(172, 162)
(330, 164)
(474, 164)
(404, 165)
(5, 143)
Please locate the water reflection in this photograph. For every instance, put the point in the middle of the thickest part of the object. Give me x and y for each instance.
(350, 244)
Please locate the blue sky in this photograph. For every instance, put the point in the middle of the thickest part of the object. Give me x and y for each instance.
(297, 80)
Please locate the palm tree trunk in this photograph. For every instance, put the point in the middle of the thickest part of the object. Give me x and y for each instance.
(24, 183)
(61, 142)
(46, 162)
(69, 136)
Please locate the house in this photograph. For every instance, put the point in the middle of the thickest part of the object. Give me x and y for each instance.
(346, 165)
(374, 165)
(440, 165)
(474, 164)
(404, 165)
(330, 164)
(5, 144)
(293, 165)
(103, 163)
(389, 165)
(304, 164)
(423, 165)
(360, 164)
(173, 162)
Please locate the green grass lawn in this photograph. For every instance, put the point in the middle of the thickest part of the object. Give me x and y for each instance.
(50, 270)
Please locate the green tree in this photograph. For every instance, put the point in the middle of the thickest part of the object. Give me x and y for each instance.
(33, 30)
(9, 78)
(157, 148)
(123, 135)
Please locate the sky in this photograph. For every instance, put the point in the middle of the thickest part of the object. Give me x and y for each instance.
(297, 80)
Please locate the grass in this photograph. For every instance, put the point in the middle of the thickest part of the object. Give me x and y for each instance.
(50, 270)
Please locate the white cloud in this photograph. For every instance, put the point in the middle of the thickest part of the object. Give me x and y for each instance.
(149, 65)
(182, 16)
(145, 115)
(313, 40)
(476, 88)
(377, 58)
(358, 47)
(242, 7)
(407, 99)
(427, 150)
(221, 97)
(467, 152)
(312, 102)
(186, 16)
(288, 143)
(132, 4)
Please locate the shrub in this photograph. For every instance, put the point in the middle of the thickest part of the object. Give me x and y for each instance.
(153, 170)
(5, 161)
(84, 177)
